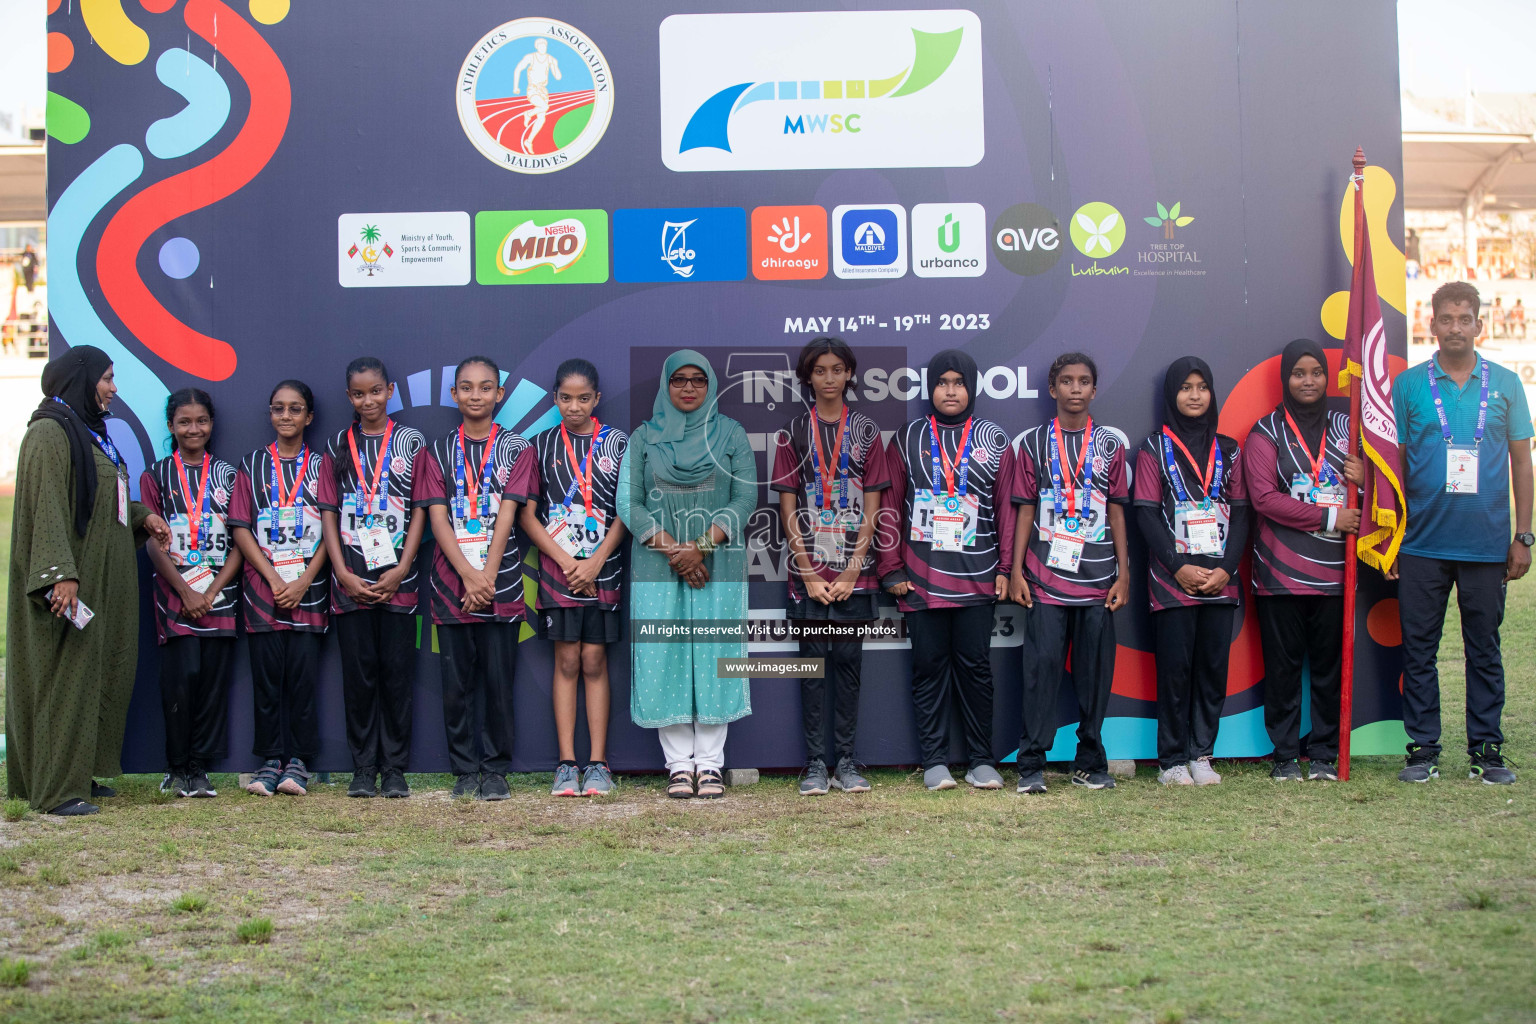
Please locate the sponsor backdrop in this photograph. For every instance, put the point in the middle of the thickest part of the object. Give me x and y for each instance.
(246, 191)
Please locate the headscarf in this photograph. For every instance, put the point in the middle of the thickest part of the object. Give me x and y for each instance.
(944, 362)
(1311, 419)
(1197, 432)
(683, 446)
(72, 378)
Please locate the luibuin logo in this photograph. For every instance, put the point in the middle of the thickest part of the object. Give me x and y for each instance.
(1167, 219)
(1098, 230)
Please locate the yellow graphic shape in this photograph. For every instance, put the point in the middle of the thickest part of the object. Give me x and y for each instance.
(269, 12)
(122, 40)
(1390, 263)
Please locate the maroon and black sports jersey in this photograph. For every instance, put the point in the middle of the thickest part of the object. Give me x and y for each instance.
(1097, 570)
(340, 492)
(794, 472)
(1154, 488)
(1291, 552)
(436, 484)
(545, 475)
(947, 579)
(160, 491)
(249, 509)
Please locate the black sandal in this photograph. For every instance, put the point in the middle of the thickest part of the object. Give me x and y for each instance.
(680, 786)
(710, 778)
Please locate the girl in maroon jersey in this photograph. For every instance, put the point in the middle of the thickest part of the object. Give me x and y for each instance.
(275, 519)
(197, 586)
(1193, 512)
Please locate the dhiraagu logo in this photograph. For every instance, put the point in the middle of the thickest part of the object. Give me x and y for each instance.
(541, 246)
(828, 89)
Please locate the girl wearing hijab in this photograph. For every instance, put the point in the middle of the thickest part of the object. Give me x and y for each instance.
(687, 485)
(1295, 467)
(1191, 507)
(949, 563)
(72, 541)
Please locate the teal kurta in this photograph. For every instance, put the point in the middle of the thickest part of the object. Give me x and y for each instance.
(67, 690)
(674, 682)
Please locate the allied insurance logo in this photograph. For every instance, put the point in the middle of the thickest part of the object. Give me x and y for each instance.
(535, 95)
(541, 246)
(832, 89)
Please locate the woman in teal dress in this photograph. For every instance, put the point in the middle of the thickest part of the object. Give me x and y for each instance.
(686, 489)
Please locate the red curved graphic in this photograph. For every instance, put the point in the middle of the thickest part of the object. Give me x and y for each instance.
(503, 118)
(224, 174)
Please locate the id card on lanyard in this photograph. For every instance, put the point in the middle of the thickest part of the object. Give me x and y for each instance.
(1322, 486)
(1460, 459)
(579, 529)
(472, 512)
(378, 547)
(1070, 525)
(1197, 527)
(286, 517)
(193, 540)
(829, 525)
(110, 451)
(954, 513)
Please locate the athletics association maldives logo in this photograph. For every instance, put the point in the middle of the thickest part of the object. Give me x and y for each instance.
(535, 95)
(821, 89)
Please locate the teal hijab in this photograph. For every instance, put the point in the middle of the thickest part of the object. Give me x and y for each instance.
(683, 447)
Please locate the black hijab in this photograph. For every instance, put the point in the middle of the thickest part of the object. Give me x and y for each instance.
(1197, 432)
(944, 362)
(72, 378)
(1311, 419)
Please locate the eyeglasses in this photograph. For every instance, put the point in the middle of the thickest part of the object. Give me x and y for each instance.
(292, 410)
(680, 381)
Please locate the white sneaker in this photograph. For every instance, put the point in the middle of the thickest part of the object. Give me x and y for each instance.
(1200, 770)
(1178, 775)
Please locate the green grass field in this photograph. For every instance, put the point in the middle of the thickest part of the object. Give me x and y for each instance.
(1253, 901)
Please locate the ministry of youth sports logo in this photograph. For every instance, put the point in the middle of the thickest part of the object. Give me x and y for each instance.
(535, 95)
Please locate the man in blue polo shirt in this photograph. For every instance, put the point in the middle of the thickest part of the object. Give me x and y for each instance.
(1463, 430)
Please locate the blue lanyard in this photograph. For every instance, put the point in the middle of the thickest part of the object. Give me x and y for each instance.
(1056, 476)
(461, 477)
(1177, 478)
(963, 459)
(842, 462)
(360, 463)
(275, 493)
(1482, 403)
(570, 492)
(105, 444)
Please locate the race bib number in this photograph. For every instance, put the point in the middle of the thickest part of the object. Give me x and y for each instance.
(1460, 470)
(1093, 528)
(215, 547)
(122, 499)
(297, 530)
(199, 578)
(378, 547)
(1066, 552)
(393, 520)
(1304, 488)
(1200, 531)
(578, 533)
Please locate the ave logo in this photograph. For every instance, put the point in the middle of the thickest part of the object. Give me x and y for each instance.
(789, 243)
(1027, 239)
(949, 240)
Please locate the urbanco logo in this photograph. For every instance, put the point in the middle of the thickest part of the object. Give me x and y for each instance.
(821, 89)
(949, 240)
(535, 95)
(1098, 230)
(541, 246)
(789, 243)
(1168, 218)
(1026, 239)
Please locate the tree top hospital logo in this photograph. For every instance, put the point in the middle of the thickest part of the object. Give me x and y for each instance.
(535, 95)
(833, 89)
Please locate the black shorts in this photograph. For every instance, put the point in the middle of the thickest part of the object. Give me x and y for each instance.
(587, 624)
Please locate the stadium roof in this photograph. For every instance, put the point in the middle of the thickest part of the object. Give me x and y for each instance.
(1486, 160)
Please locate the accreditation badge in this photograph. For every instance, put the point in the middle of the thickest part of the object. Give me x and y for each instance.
(1067, 541)
(1461, 469)
(122, 499)
(378, 546)
(1199, 529)
(198, 577)
(289, 563)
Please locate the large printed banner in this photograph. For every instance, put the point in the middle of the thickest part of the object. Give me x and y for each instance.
(246, 191)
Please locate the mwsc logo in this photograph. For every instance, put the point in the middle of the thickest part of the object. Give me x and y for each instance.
(829, 89)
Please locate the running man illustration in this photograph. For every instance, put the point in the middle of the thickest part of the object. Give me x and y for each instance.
(540, 65)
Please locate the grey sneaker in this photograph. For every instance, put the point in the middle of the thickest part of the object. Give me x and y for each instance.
(1032, 782)
(493, 787)
(1421, 767)
(938, 777)
(1488, 766)
(984, 776)
(847, 777)
(1202, 773)
(1323, 771)
(1095, 779)
(567, 781)
(1288, 770)
(813, 780)
(1178, 775)
(597, 780)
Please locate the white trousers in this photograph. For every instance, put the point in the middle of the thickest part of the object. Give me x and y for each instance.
(693, 746)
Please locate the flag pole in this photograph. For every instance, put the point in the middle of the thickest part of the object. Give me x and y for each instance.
(1351, 561)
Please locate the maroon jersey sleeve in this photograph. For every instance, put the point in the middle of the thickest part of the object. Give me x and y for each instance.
(1264, 490)
(1024, 487)
(427, 484)
(1007, 515)
(523, 483)
(326, 495)
(1118, 492)
(149, 493)
(786, 470)
(241, 509)
(877, 471)
(1148, 489)
(891, 530)
(1237, 486)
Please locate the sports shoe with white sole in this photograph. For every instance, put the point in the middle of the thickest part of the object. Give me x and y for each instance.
(597, 780)
(1201, 771)
(938, 777)
(1323, 771)
(567, 781)
(1421, 767)
(1288, 770)
(1093, 779)
(1178, 775)
(1488, 766)
(1032, 782)
(984, 776)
